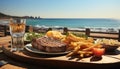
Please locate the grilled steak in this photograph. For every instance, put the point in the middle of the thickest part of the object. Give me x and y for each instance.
(48, 44)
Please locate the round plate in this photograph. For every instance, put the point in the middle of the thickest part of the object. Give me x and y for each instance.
(31, 49)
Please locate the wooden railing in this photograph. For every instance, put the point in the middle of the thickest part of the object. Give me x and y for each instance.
(110, 35)
(96, 34)
(3, 30)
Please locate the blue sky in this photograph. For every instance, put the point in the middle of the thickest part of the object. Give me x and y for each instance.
(62, 8)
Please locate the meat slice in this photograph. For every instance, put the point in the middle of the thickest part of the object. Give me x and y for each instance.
(49, 44)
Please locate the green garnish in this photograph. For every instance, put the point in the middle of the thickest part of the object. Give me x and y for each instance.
(29, 36)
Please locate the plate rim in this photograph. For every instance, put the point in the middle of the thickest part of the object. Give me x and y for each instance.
(41, 52)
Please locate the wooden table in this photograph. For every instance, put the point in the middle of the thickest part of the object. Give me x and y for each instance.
(15, 64)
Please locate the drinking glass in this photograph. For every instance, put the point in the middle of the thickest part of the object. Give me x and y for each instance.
(17, 31)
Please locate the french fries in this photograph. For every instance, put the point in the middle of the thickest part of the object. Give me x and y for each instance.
(81, 47)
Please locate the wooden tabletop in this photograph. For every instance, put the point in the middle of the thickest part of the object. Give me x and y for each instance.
(14, 64)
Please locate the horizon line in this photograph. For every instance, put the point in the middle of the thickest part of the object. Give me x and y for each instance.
(63, 17)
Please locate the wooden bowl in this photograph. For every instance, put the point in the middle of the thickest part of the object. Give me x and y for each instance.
(110, 48)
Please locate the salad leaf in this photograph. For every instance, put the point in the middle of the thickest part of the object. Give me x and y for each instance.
(30, 35)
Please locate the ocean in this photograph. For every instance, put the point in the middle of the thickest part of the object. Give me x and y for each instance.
(95, 24)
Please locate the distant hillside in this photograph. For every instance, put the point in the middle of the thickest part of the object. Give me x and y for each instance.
(5, 16)
(2, 15)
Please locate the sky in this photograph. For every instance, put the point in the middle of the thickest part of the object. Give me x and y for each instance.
(62, 8)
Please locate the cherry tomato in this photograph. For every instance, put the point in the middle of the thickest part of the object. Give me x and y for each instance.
(98, 52)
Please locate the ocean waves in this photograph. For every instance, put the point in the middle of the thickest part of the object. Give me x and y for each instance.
(96, 29)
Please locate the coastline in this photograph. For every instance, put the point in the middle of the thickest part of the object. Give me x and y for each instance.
(96, 29)
(94, 34)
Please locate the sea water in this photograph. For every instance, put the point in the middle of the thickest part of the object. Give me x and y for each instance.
(94, 24)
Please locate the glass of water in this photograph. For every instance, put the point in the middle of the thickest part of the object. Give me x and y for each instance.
(17, 31)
